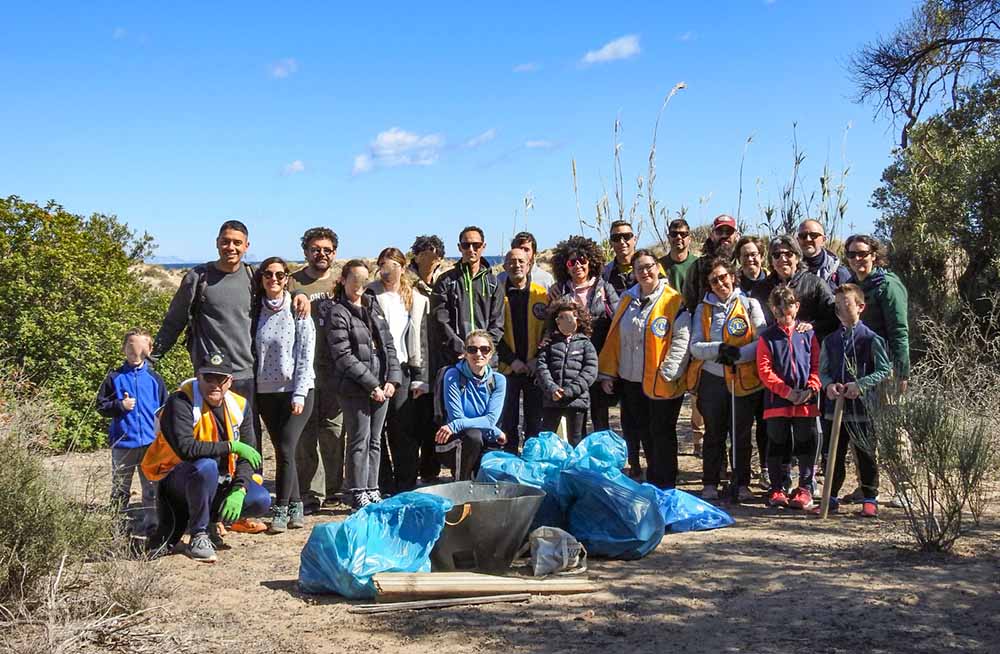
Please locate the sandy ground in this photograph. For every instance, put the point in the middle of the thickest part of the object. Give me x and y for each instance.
(777, 581)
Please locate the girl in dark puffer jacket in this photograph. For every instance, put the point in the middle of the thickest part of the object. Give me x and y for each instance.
(567, 367)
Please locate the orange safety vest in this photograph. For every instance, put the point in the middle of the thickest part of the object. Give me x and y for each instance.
(160, 458)
(738, 331)
(658, 333)
(538, 301)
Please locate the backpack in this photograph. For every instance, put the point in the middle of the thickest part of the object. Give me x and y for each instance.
(440, 413)
(199, 297)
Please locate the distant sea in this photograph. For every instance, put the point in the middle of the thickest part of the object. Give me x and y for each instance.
(492, 260)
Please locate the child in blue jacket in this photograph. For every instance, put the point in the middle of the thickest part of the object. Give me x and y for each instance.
(130, 396)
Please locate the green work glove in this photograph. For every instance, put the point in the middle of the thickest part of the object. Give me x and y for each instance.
(246, 452)
(233, 506)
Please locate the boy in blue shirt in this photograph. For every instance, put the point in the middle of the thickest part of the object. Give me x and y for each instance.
(130, 396)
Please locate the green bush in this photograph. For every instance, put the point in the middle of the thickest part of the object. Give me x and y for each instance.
(39, 524)
(71, 289)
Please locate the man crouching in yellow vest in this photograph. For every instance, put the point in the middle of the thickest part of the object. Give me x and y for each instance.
(204, 471)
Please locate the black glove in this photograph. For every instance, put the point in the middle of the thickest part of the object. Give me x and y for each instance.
(728, 354)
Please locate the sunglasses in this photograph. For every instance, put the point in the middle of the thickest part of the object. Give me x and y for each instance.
(621, 237)
(471, 245)
(215, 378)
(481, 349)
(679, 234)
(718, 279)
(274, 274)
(810, 236)
(323, 251)
(783, 254)
(858, 254)
(724, 231)
(577, 261)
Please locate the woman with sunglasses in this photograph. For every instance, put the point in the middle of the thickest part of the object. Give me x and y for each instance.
(816, 305)
(472, 399)
(885, 300)
(723, 369)
(404, 310)
(366, 376)
(646, 351)
(283, 348)
(577, 263)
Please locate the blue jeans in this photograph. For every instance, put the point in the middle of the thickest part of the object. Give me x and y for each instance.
(194, 495)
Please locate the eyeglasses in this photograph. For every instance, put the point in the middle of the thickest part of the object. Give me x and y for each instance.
(577, 261)
(471, 245)
(274, 274)
(215, 378)
(718, 279)
(481, 349)
(783, 254)
(645, 270)
(858, 254)
(679, 234)
(750, 255)
(622, 237)
(810, 236)
(324, 251)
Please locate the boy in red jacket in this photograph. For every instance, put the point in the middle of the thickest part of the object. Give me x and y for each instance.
(788, 366)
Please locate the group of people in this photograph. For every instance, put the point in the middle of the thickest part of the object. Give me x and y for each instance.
(384, 381)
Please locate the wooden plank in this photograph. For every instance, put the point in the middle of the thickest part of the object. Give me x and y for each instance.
(438, 603)
(831, 458)
(399, 586)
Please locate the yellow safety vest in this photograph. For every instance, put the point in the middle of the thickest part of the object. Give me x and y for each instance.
(538, 301)
(738, 330)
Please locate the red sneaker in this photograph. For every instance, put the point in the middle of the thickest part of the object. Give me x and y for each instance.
(869, 509)
(777, 498)
(801, 499)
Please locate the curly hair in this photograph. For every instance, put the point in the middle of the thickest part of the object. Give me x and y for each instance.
(574, 247)
(427, 242)
(316, 233)
(582, 316)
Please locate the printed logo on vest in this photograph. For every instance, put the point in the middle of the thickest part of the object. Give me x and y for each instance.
(659, 327)
(539, 310)
(215, 360)
(737, 326)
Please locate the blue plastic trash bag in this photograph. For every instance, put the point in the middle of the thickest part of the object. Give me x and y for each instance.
(601, 451)
(547, 447)
(683, 511)
(612, 516)
(396, 535)
(503, 466)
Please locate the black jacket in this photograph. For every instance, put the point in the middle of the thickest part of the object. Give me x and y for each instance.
(602, 300)
(364, 356)
(570, 364)
(460, 305)
(816, 304)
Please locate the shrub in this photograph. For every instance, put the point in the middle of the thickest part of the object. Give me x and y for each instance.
(71, 289)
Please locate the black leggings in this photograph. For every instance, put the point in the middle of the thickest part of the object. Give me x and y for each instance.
(575, 419)
(284, 429)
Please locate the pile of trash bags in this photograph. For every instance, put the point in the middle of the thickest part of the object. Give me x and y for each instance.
(588, 495)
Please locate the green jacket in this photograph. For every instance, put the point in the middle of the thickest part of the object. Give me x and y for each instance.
(886, 314)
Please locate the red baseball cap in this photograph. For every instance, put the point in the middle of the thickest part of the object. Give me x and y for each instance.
(724, 220)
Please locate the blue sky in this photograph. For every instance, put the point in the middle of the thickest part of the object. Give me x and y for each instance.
(386, 121)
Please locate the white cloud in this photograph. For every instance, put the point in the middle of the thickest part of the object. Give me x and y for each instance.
(397, 147)
(283, 68)
(539, 145)
(529, 67)
(621, 48)
(119, 33)
(485, 137)
(295, 167)
(687, 36)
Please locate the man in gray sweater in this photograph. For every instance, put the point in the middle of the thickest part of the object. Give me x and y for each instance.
(214, 303)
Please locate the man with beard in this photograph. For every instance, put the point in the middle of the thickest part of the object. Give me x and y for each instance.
(325, 429)
(721, 243)
(819, 260)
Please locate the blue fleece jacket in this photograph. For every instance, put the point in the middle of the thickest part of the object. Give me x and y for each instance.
(473, 405)
(135, 428)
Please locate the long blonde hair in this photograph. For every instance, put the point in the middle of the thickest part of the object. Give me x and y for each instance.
(405, 285)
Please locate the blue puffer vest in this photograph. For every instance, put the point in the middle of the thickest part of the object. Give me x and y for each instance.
(849, 352)
(790, 357)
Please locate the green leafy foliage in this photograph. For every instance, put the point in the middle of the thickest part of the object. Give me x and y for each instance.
(71, 289)
(940, 201)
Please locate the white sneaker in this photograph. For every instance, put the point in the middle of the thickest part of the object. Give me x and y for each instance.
(709, 493)
(898, 501)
